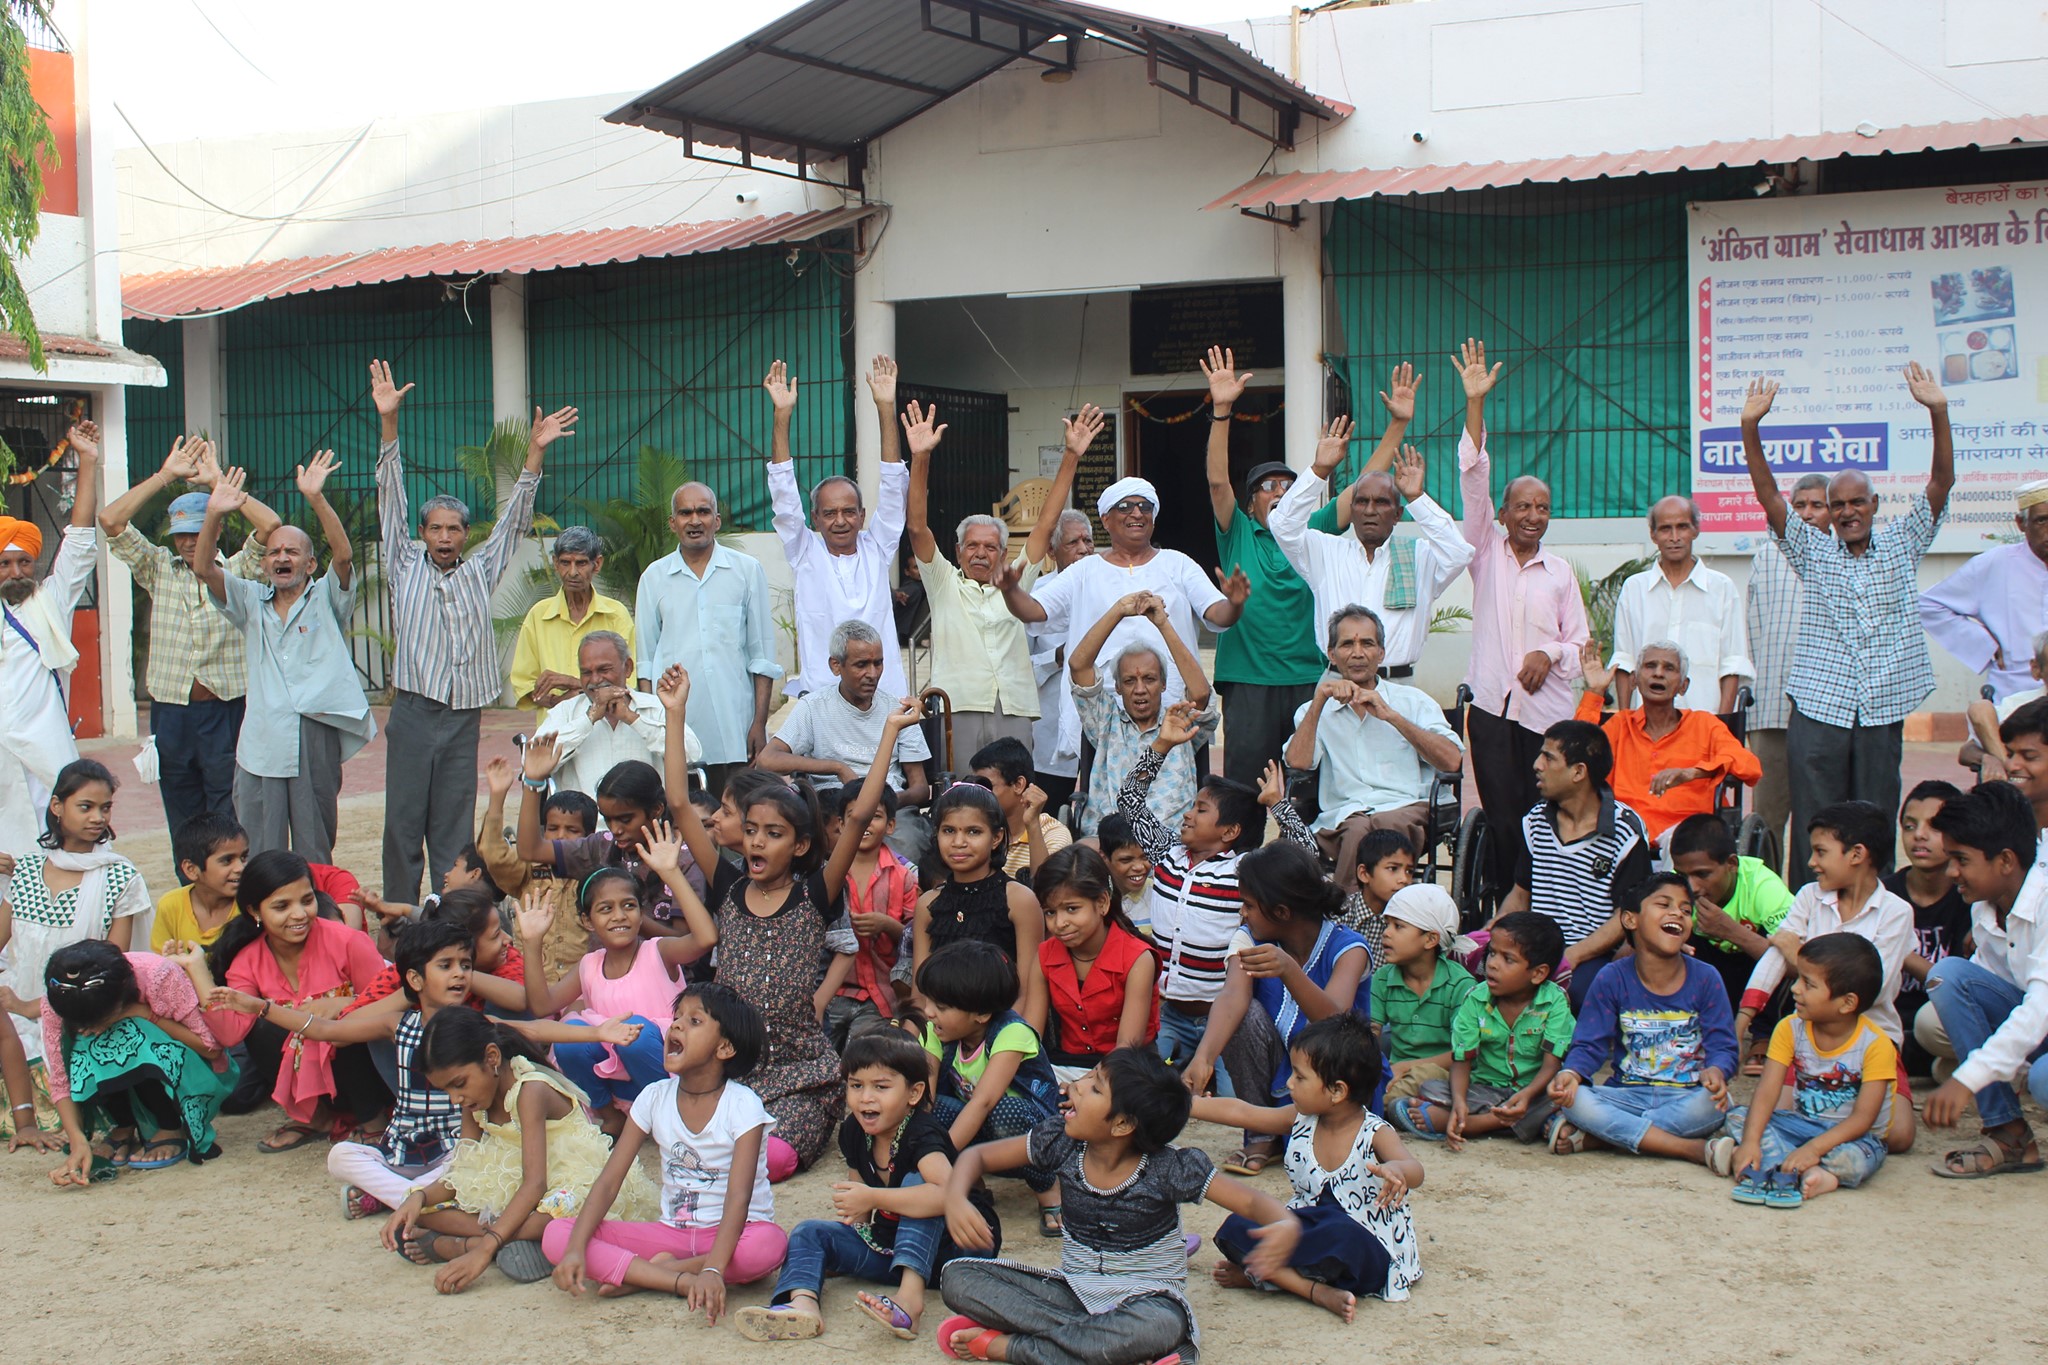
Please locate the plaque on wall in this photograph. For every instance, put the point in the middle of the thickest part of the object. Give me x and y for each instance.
(1172, 329)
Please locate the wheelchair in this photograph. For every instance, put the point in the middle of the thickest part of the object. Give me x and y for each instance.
(1455, 840)
(1753, 838)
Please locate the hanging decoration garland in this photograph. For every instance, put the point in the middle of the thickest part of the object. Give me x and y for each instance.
(1200, 409)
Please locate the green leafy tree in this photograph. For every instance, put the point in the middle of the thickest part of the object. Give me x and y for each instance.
(1600, 596)
(25, 147)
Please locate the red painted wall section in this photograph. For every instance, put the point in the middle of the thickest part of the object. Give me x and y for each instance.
(88, 707)
(50, 80)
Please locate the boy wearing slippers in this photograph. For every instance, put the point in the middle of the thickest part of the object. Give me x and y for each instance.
(1994, 1004)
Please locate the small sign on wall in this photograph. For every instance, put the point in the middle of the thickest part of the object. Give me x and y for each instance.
(1173, 329)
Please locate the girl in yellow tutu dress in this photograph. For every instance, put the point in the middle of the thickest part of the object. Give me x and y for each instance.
(528, 1154)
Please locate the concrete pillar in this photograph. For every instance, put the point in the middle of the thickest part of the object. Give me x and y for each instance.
(510, 401)
(1301, 292)
(874, 333)
(116, 600)
(206, 382)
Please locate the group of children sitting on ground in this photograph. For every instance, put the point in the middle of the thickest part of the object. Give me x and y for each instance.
(751, 982)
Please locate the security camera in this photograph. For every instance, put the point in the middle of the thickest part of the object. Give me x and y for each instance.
(746, 197)
(1419, 135)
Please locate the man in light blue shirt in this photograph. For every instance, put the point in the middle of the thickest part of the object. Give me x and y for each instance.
(306, 711)
(706, 608)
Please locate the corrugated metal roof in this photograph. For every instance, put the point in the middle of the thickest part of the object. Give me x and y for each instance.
(183, 293)
(833, 74)
(1324, 187)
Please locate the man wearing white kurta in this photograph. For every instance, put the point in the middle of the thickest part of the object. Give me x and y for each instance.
(1682, 600)
(1988, 613)
(36, 653)
(840, 562)
(607, 723)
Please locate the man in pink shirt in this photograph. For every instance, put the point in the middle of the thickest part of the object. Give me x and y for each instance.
(1528, 626)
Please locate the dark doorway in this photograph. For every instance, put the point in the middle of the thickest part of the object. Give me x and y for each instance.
(1170, 442)
(971, 467)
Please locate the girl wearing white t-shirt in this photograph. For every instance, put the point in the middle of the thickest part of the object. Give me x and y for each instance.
(717, 1209)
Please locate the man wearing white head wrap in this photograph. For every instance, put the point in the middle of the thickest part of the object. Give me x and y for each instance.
(1078, 597)
(1988, 612)
(36, 654)
(1419, 985)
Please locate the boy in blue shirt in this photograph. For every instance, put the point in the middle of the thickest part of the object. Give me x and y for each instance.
(1661, 1018)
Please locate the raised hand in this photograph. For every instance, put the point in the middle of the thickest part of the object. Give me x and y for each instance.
(672, 690)
(1410, 473)
(1226, 385)
(1033, 801)
(226, 496)
(1177, 724)
(205, 455)
(881, 382)
(499, 774)
(921, 429)
(1134, 603)
(181, 465)
(311, 476)
(385, 394)
(1272, 784)
(1598, 675)
(1009, 576)
(1757, 400)
(1155, 610)
(551, 428)
(781, 388)
(909, 711)
(661, 848)
(1925, 390)
(1399, 396)
(1472, 372)
(1082, 428)
(1236, 587)
(84, 439)
(540, 760)
(536, 914)
(1334, 441)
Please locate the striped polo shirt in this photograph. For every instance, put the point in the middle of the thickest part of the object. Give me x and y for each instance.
(1575, 883)
(1195, 911)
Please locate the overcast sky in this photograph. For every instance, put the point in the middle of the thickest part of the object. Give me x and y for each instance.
(182, 69)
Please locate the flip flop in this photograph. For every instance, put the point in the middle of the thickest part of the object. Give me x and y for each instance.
(1192, 1243)
(1573, 1143)
(888, 1312)
(958, 1323)
(302, 1133)
(183, 1148)
(421, 1240)
(1050, 1223)
(1411, 1116)
(778, 1322)
(1784, 1191)
(523, 1262)
(1750, 1188)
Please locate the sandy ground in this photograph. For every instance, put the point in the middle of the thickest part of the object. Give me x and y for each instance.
(1594, 1258)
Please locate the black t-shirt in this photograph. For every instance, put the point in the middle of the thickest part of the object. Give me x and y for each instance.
(922, 1136)
(1940, 929)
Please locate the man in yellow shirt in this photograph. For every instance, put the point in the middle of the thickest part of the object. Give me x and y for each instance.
(544, 668)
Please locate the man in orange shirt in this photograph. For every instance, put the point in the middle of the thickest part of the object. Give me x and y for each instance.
(1667, 761)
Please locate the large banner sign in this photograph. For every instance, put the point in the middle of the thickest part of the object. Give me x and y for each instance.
(1831, 295)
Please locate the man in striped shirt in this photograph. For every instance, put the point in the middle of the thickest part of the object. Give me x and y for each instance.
(1581, 846)
(444, 670)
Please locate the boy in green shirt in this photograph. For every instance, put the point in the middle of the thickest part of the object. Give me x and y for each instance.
(1418, 986)
(1507, 1040)
(1737, 904)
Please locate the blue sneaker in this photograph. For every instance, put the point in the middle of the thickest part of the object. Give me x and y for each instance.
(1784, 1192)
(1750, 1188)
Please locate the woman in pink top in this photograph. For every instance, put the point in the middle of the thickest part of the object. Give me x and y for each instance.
(1528, 626)
(277, 947)
(128, 1050)
(627, 977)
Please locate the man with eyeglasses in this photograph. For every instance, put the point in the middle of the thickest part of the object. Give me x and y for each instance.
(1861, 664)
(1079, 596)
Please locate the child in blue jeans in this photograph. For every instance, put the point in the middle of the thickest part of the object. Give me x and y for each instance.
(1661, 1018)
(890, 1226)
(1844, 1073)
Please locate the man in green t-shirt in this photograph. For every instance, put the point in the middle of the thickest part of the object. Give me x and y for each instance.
(1268, 665)
(1737, 903)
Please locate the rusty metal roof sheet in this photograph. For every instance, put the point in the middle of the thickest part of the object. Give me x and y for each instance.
(185, 293)
(1323, 187)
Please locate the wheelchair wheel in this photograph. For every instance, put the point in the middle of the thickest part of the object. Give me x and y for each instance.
(1468, 871)
(1754, 839)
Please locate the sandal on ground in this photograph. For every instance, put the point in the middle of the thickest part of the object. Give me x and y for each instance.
(176, 1146)
(777, 1322)
(1411, 1116)
(1750, 1188)
(1561, 1129)
(523, 1262)
(1050, 1223)
(1784, 1191)
(888, 1312)
(417, 1247)
(300, 1135)
(1988, 1157)
(976, 1349)
(357, 1202)
(1251, 1158)
(1192, 1244)
(1721, 1155)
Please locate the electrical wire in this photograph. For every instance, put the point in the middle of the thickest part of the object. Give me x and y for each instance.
(221, 33)
(992, 343)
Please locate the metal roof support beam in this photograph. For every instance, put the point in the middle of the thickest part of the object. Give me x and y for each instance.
(745, 158)
(841, 69)
(1024, 49)
(1285, 119)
